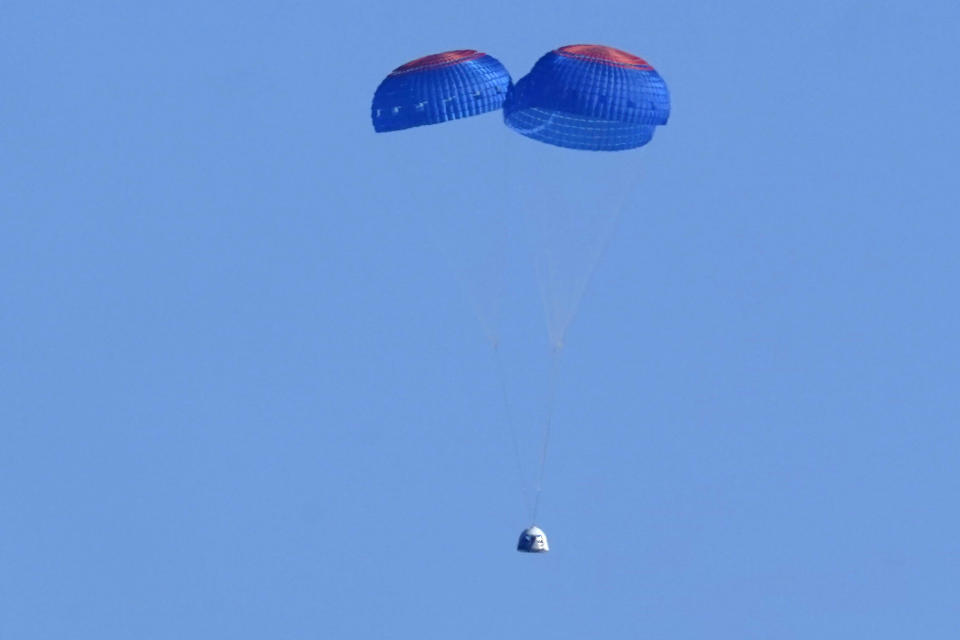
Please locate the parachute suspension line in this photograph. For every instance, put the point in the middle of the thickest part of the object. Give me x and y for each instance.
(547, 423)
(605, 240)
(558, 331)
(511, 424)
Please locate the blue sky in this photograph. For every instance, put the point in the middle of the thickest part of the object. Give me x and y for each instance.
(242, 394)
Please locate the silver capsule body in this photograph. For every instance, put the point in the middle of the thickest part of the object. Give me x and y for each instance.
(533, 540)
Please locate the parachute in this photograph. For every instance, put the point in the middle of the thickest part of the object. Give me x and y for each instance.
(590, 97)
(437, 88)
(575, 98)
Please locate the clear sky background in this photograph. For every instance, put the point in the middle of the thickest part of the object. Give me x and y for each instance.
(242, 396)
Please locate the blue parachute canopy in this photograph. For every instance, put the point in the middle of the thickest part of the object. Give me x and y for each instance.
(439, 87)
(586, 96)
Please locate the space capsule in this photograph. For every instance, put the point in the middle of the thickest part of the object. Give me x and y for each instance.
(533, 540)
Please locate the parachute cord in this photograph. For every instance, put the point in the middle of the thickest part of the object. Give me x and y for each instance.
(558, 322)
(511, 423)
(548, 422)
